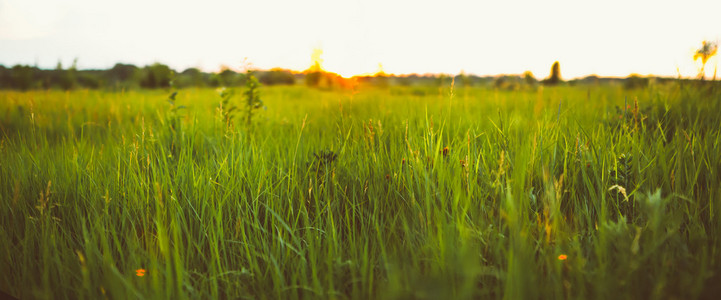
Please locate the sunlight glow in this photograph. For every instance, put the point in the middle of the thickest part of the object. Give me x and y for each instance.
(610, 38)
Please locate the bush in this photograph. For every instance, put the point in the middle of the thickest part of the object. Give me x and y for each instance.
(277, 76)
(635, 81)
(156, 76)
(123, 76)
(555, 77)
(23, 77)
(190, 77)
(229, 78)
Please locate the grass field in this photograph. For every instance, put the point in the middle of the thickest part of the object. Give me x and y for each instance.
(587, 192)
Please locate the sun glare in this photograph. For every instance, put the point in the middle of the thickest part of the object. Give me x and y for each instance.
(316, 60)
(349, 73)
(337, 63)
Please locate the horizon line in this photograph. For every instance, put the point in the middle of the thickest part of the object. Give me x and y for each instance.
(223, 67)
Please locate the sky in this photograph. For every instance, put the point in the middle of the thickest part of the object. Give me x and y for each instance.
(606, 38)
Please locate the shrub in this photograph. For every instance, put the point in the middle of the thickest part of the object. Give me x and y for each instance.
(156, 76)
(277, 76)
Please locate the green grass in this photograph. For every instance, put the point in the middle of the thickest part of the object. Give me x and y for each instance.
(429, 193)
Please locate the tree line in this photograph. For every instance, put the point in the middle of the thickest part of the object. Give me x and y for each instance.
(128, 76)
(160, 76)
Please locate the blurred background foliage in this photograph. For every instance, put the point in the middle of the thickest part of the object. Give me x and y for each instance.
(159, 76)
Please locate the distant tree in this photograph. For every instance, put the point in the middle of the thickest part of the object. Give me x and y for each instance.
(277, 76)
(591, 79)
(635, 81)
(156, 76)
(122, 73)
(4, 77)
(441, 80)
(555, 77)
(23, 77)
(66, 79)
(190, 77)
(500, 82)
(529, 78)
(123, 76)
(313, 78)
(463, 79)
(214, 80)
(404, 81)
(228, 77)
(707, 50)
(193, 72)
(90, 79)
(507, 82)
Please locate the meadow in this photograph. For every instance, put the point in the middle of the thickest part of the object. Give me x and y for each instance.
(566, 192)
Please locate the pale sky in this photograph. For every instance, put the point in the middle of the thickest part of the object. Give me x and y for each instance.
(607, 38)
